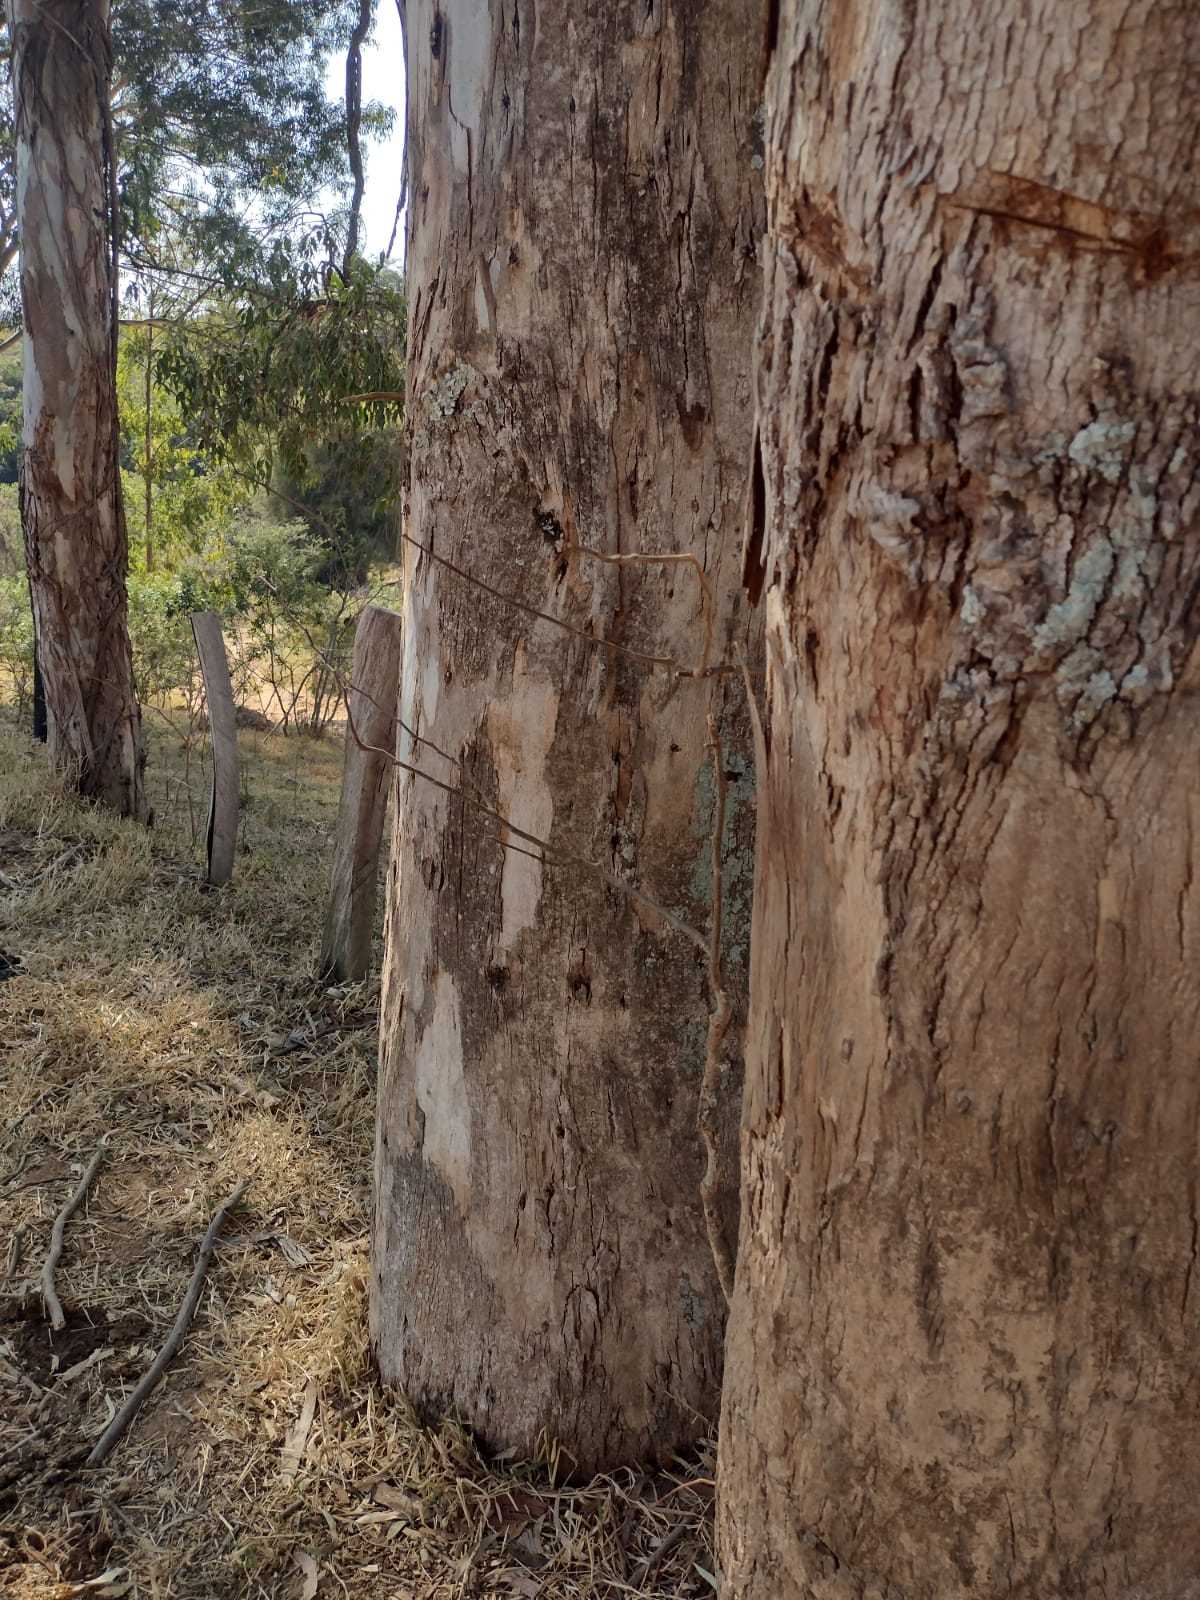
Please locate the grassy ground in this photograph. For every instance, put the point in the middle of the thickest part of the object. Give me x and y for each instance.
(184, 1027)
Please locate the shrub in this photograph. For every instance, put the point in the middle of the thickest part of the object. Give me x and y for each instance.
(16, 643)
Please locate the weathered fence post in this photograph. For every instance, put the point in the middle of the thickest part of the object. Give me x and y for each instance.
(370, 721)
(222, 725)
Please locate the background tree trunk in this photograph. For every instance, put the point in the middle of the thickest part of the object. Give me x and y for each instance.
(964, 1355)
(41, 731)
(70, 482)
(582, 286)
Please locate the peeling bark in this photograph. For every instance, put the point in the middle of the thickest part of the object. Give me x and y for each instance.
(70, 491)
(964, 1354)
(584, 216)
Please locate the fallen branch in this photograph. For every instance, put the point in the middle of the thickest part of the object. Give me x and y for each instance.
(108, 1440)
(49, 1294)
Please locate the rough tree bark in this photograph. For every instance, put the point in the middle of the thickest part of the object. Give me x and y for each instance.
(70, 483)
(964, 1354)
(583, 284)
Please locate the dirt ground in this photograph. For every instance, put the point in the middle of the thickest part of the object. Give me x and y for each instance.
(183, 1031)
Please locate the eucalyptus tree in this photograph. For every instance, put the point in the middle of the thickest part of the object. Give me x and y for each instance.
(71, 507)
(582, 293)
(964, 1353)
(193, 141)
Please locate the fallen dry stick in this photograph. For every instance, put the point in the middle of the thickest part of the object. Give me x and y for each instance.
(297, 1440)
(49, 1292)
(16, 1245)
(107, 1441)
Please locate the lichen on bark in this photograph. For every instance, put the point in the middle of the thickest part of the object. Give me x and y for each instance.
(964, 1343)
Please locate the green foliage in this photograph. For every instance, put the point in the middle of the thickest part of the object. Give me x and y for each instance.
(192, 497)
(160, 633)
(288, 636)
(270, 379)
(10, 414)
(12, 545)
(222, 104)
(349, 490)
(16, 643)
(275, 390)
(227, 142)
(296, 633)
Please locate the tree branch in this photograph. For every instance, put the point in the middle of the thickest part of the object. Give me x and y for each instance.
(353, 130)
(403, 196)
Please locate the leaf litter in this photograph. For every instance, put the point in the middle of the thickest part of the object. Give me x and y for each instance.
(185, 1026)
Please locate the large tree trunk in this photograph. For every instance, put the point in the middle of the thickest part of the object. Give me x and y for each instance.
(964, 1355)
(582, 290)
(70, 483)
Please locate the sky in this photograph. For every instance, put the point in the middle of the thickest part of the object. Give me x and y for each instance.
(383, 80)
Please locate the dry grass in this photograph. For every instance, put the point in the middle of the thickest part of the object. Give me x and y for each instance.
(185, 1026)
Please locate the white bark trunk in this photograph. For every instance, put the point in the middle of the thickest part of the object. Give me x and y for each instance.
(583, 283)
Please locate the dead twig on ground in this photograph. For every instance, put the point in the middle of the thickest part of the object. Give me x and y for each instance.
(664, 1546)
(296, 1442)
(16, 1245)
(49, 1293)
(108, 1440)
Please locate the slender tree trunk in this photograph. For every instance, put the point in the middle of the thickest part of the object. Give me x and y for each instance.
(70, 483)
(964, 1356)
(362, 27)
(41, 730)
(582, 288)
(149, 467)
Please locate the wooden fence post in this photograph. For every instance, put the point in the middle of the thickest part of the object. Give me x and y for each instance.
(371, 714)
(222, 726)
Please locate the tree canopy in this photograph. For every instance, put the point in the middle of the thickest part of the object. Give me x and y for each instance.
(228, 145)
